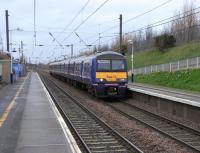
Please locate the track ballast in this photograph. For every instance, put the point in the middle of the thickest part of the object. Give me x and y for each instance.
(94, 135)
(183, 134)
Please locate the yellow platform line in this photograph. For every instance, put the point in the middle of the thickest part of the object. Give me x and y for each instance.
(10, 106)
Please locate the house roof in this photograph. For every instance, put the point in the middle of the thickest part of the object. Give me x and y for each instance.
(4, 55)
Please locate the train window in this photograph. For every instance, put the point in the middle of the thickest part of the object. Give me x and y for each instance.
(86, 69)
(103, 65)
(118, 65)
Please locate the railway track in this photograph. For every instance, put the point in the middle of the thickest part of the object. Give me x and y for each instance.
(93, 135)
(185, 135)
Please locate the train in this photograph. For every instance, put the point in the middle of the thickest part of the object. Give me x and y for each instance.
(103, 74)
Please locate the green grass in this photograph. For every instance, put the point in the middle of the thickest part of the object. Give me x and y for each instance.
(186, 80)
(153, 57)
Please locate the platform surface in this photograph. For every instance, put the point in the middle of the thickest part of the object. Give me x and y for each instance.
(167, 93)
(31, 125)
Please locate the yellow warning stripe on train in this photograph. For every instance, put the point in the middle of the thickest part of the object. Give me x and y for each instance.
(111, 76)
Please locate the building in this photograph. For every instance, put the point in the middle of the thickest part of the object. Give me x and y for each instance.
(5, 67)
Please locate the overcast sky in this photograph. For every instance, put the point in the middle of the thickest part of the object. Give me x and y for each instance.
(53, 15)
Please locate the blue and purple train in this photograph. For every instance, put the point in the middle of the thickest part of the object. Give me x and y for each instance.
(103, 74)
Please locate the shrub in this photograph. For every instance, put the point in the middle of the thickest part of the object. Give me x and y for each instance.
(164, 41)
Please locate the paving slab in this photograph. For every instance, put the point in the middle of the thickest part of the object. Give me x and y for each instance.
(40, 131)
(29, 123)
(167, 93)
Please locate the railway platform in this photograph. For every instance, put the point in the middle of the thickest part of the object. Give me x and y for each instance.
(173, 104)
(30, 122)
(167, 93)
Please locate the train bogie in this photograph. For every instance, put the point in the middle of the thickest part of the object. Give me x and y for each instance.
(110, 91)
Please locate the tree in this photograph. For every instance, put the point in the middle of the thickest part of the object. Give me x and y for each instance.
(164, 41)
(104, 47)
(149, 33)
(149, 36)
(184, 27)
(94, 49)
(115, 45)
(124, 48)
(1, 43)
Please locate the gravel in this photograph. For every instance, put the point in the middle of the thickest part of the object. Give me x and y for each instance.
(147, 139)
(153, 110)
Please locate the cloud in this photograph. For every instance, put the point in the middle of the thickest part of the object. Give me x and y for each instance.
(54, 15)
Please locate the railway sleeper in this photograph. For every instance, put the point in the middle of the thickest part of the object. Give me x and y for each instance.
(102, 137)
(94, 132)
(111, 151)
(103, 147)
(181, 134)
(103, 142)
(96, 140)
(86, 134)
(81, 122)
(79, 126)
(84, 126)
(163, 126)
(152, 122)
(89, 129)
(85, 120)
(194, 143)
(173, 131)
(81, 118)
(108, 149)
(171, 128)
(188, 139)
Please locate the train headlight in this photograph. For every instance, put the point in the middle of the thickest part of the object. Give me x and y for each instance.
(122, 80)
(101, 80)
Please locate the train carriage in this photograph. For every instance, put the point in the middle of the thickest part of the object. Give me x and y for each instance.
(103, 74)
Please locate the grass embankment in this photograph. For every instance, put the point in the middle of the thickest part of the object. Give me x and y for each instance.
(153, 57)
(186, 79)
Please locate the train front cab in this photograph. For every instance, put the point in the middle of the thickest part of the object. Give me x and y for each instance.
(110, 76)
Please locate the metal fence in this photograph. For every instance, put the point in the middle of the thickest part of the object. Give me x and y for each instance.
(190, 63)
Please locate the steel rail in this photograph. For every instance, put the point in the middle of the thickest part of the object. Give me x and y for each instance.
(176, 131)
(65, 117)
(119, 138)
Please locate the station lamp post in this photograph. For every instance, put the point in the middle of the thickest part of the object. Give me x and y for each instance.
(10, 33)
(132, 50)
(65, 56)
(89, 46)
(72, 46)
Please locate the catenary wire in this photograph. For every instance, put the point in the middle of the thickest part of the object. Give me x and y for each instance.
(85, 20)
(74, 18)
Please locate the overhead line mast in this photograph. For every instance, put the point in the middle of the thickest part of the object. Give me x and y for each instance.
(120, 34)
(7, 32)
(133, 18)
(139, 15)
(34, 22)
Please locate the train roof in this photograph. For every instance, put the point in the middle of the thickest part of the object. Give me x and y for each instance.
(84, 58)
(108, 52)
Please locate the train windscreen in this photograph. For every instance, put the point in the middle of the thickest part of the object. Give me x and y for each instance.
(111, 65)
(118, 65)
(103, 65)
